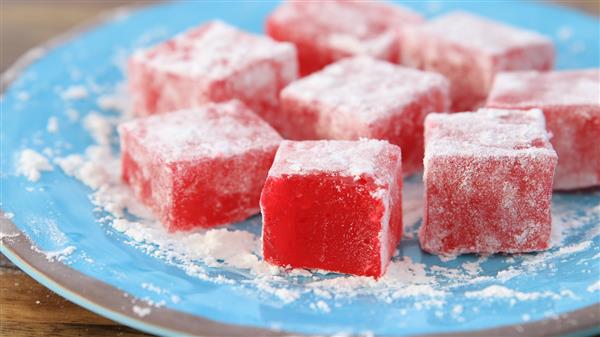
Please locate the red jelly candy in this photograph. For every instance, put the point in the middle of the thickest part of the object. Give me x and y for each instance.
(363, 97)
(333, 205)
(201, 167)
(470, 50)
(326, 31)
(212, 63)
(488, 182)
(571, 103)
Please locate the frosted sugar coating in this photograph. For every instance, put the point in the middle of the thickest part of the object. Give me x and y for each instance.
(527, 89)
(364, 89)
(481, 34)
(346, 158)
(350, 27)
(214, 50)
(487, 132)
(213, 130)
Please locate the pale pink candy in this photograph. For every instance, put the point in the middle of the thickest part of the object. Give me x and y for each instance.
(201, 167)
(364, 97)
(488, 182)
(470, 50)
(571, 103)
(211, 63)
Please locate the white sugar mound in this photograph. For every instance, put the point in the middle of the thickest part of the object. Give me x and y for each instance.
(31, 164)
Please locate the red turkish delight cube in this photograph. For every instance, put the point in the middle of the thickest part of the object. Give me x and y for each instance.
(333, 205)
(363, 97)
(571, 103)
(488, 182)
(470, 50)
(201, 167)
(325, 31)
(212, 63)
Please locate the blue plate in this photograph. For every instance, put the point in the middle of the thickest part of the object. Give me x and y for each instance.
(54, 232)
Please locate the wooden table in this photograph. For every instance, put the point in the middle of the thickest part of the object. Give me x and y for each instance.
(27, 308)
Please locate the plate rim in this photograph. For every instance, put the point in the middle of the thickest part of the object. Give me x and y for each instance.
(103, 298)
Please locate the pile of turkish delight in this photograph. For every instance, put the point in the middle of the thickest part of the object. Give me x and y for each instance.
(316, 124)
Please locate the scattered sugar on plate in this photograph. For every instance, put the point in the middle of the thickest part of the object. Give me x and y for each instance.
(58, 255)
(564, 33)
(31, 164)
(141, 311)
(52, 125)
(72, 114)
(594, 287)
(74, 92)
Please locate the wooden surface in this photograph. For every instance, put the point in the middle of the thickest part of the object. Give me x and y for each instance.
(27, 309)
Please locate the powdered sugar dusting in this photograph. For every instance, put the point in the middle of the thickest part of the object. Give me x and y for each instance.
(60, 255)
(231, 50)
(207, 131)
(347, 158)
(361, 28)
(74, 92)
(384, 89)
(141, 311)
(525, 89)
(489, 132)
(483, 34)
(31, 164)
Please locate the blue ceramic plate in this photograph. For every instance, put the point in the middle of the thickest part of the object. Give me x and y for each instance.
(52, 229)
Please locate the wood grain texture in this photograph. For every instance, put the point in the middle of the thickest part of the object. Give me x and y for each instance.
(29, 309)
(26, 307)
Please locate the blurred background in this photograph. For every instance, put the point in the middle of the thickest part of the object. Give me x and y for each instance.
(27, 308)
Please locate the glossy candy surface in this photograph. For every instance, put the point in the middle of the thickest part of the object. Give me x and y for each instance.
(333, 205)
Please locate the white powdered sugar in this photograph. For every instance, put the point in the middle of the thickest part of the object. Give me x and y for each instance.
(497, 291)
(224, 129)
(31, 164)
(231, 50)
(479, 33)
(362, 89)
(141, 311)
(524, 89)
(99, 127)
(352, 32)
(74, 92)
(60, 255)
(346, 158)
(488, 132)
(52, 125)
(594, 287)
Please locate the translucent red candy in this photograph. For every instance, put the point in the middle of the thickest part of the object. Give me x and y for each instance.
(470, 50)
(212, 63)
(488, 182)
(333, 205)
(571, 103)
(325, 31)
(201, 167)
(363, 97)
